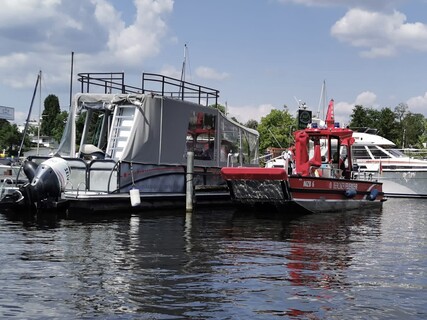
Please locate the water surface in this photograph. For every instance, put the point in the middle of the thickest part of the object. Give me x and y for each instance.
(217, 264)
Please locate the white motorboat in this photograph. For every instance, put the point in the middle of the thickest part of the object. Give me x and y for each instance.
(378, 158)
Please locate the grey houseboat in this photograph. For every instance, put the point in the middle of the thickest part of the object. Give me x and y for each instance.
(137, 138)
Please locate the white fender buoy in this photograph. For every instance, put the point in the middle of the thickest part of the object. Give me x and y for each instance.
(135, 198)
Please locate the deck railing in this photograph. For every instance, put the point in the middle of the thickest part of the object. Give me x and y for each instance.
(114, 82)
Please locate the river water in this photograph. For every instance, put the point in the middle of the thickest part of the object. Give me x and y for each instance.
(217, 264)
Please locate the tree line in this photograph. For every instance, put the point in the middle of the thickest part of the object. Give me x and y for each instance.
(401, 126)
(52, 124)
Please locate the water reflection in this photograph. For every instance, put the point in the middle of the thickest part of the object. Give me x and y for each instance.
(171, 265)
(320, 247)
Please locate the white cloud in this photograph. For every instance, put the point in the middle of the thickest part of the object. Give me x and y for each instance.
(141, 40)
(343, 109)
(377, 4)
(26, 12)
(20, 117)
(375, 26)
(381, 34)
(209, 73)
(366, 99)
(342, 112)
(248, 112)
(41, 34)
(418, 104)
(171, 71)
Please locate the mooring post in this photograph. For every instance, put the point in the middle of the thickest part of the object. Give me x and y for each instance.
(189, 193)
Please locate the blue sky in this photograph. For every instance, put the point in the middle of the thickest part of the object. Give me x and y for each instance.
(260, 54)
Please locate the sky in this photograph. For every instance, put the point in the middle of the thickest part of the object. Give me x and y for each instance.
(260, 54)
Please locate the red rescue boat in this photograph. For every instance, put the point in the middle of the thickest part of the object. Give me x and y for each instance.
(316, 175)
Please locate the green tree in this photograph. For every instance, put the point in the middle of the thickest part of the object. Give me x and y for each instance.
(387, 124)
(424, 136)
(358, 117)
(400, 126)
(220, 107)
(10, 138)
(49, 115)
(413, 130)
(374, 117)
(235, 119)
(364, 117)
(59, 126)
(401, 110)
(275, 129)
(253, 124)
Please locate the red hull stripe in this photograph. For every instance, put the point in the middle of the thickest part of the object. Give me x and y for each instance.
(253, 173)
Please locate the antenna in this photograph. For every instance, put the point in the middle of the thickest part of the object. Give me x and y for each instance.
(301, 104)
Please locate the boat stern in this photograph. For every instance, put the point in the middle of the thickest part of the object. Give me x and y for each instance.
(256, 187)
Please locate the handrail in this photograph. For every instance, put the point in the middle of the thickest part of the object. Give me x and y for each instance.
(151, 83)
(116, 165)
(179, 89)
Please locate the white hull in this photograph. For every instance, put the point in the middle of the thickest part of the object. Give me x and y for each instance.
(409, 182)
(400, 174)
(400, 182)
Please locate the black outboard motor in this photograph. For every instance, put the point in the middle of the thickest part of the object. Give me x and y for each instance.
(49, 179)
(30, 169)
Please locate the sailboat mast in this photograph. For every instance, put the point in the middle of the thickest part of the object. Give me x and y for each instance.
(183, 63)
(183, 72)
(71, 79)
(322, 101)
(40, 113)
(29, 114)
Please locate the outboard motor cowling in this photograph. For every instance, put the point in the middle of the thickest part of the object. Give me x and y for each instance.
(50, 179)
(30, 168)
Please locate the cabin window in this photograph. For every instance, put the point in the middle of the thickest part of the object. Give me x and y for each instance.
(92, 128)
(360, 153)
(249, 147)
(396, 153)
(230, 141)
(334, 153)
(378, 153)
(201, 135)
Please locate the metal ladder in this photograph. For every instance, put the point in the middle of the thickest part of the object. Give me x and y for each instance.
(122, 124)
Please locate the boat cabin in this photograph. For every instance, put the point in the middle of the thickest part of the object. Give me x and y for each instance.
(324, 152)
(146, 132)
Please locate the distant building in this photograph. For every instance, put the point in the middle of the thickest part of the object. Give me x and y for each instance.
(41, 141)
(32, 123)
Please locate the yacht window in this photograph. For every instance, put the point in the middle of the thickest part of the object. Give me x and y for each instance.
(396, 153)
(359, 152)
(378, 153)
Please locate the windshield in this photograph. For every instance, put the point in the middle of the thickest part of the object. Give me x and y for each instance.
(396, 153)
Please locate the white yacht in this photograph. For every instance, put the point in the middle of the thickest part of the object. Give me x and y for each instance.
(378, 158)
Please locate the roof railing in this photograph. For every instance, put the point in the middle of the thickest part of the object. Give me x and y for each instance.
(114, 82)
